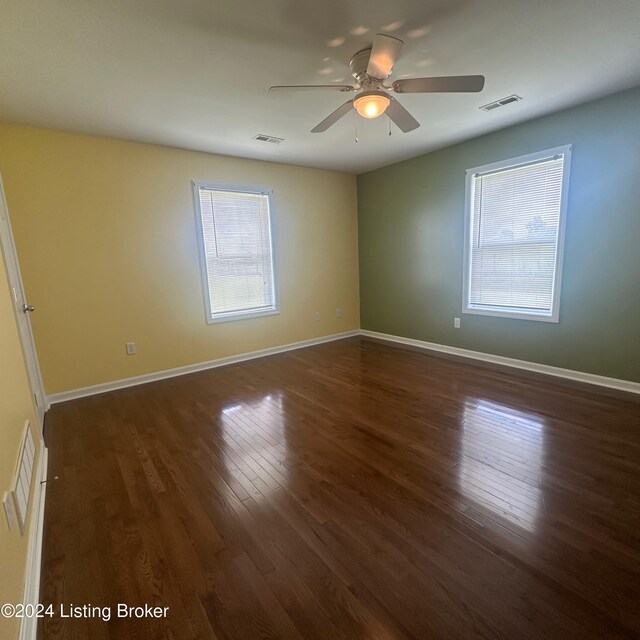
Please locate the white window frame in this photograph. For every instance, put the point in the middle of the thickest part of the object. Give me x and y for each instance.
(235, 315)
(519, 314)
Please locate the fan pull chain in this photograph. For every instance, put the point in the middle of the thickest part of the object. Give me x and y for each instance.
(389, 122)
(355, 122)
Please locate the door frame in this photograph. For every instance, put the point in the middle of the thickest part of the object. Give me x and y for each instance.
(16, 288)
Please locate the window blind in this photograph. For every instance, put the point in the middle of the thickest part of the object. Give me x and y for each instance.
(515, 229)
(238, 255)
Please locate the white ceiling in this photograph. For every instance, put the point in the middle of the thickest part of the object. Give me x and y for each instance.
(195, 73)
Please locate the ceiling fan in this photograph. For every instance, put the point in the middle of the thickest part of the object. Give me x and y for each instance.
(371, 67)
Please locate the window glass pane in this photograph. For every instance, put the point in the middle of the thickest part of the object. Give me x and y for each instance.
(238, 251)
(515, 227)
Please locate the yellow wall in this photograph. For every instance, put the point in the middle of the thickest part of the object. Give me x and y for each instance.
(105, 231)
(15, 408)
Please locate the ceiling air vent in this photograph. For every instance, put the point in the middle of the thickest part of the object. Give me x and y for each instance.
(500, 103)
(272, 139)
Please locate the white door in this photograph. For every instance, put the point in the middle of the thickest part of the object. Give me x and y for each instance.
(22, 308)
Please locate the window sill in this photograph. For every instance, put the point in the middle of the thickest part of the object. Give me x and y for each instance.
(241, 315)
(514, 315)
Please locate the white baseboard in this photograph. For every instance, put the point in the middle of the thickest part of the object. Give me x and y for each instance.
(29, 626)
(191, 368)
(558, 372)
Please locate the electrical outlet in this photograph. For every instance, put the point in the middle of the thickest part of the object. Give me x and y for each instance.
(131, 348)
(316, 315)
(7, 502)
(338, 313)
(456, 323)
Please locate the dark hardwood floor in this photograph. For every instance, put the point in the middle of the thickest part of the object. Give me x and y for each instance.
(349, 490)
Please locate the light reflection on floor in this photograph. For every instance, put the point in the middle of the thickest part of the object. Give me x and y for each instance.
(254, 438)
(501, 453)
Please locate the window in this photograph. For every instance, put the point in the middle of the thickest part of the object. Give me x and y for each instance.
(514, 236)
(236, 246)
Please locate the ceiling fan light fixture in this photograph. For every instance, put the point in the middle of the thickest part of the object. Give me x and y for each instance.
(371, 104)
(370, 68)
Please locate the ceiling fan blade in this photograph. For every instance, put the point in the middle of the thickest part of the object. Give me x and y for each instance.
(384, 53)
(401, 117)
(445, 84)
(332, 118)
(332, 87)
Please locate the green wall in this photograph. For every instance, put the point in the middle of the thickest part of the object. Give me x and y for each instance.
(411, 219)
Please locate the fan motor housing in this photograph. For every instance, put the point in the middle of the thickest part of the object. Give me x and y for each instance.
(358, 65)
